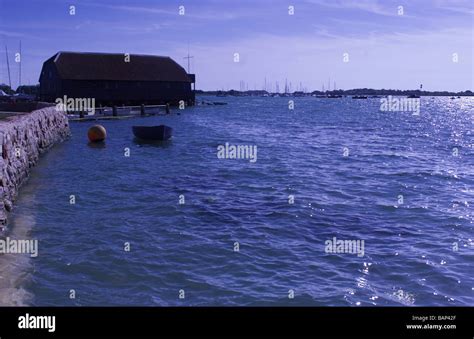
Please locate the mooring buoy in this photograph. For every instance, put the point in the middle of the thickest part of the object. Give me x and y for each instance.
(96, 133)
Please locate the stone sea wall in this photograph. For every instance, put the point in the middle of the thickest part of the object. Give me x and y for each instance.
(23, 138)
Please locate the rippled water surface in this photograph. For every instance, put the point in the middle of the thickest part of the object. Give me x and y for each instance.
(419, 252)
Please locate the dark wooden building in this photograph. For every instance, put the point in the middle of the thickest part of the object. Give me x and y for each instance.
(115, 79)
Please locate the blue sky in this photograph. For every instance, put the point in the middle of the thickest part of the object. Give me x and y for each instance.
(386, 50)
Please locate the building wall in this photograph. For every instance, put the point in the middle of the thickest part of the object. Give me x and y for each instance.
(50, 84)
(113, 92)
(128, 92)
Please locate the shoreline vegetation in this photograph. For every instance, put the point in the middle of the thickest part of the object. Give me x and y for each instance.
(339, 92)
(33, 90)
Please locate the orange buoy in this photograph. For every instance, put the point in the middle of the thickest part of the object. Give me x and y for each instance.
(97, 133)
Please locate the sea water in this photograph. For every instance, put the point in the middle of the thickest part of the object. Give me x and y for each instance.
(131, 223)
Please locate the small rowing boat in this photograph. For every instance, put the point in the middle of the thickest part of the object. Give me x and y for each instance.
(160, 132)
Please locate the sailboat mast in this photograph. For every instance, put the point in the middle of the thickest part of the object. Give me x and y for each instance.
(189, 57)
(19, 73)
(8, 67)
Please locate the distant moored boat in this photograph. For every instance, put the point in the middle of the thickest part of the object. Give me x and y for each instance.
(359, 97)
(160, 132)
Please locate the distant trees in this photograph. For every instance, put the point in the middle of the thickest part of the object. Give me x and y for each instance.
(24, 89)
(28, 89)
(6, 89)
(371, 91)
(355, 91)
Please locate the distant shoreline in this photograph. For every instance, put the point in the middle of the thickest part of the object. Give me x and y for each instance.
(357, 91)
(34, 91)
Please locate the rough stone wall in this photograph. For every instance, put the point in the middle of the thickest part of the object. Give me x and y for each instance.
(23, 138)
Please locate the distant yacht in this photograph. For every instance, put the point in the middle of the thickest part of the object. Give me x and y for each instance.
(359, 97)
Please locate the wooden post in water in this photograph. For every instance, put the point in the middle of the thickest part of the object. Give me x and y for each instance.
(114, 111)
(168, 109)
(142, 110)
(81, 114)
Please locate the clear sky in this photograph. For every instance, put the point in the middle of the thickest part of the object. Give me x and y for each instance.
(385, 49)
